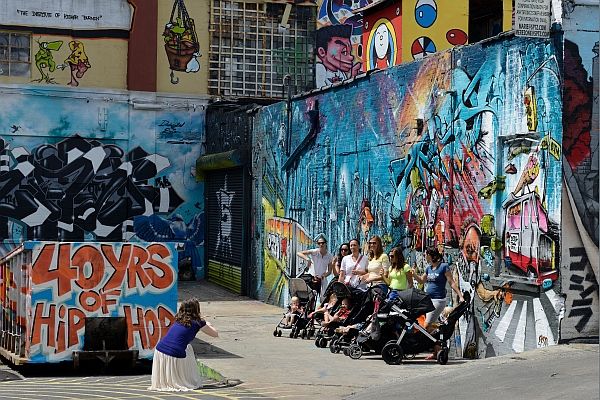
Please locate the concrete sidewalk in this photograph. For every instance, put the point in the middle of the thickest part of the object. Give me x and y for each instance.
(294, 368)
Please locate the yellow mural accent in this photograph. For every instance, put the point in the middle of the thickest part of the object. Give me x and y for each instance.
(429, 26)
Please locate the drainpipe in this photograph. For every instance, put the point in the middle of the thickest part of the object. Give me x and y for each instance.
(287, 83)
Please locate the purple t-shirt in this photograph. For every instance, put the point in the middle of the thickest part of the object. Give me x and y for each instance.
(178, 337)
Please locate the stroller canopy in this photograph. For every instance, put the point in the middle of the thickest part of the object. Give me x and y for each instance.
(416, 301)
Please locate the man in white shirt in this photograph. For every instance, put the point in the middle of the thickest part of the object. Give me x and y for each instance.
(319, 261)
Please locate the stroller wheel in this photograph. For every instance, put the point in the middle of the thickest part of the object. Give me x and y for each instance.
(303, 334)
(292, 333)
(442, 357)
(392, 353)
(333, 346)
(275, 333)
(322, 342)
(354, 351)
(279, 333)
(317, 341)
(346, 351)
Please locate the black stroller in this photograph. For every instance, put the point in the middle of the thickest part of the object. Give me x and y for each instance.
(413, 338)
(324, 334)
(308, 298)
(365, 304)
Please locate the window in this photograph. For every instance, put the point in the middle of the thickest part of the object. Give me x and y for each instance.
(15, 57)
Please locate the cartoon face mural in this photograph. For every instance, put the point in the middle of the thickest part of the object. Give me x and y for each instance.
(420, 161)
(334, 52)
(381, 45)
(336, 20)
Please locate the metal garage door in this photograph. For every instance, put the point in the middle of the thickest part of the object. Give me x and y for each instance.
(224, 204)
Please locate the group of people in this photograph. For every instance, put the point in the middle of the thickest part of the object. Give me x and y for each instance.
(390, 272)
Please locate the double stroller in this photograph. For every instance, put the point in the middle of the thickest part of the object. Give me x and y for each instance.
(402, 313)
(301, 323)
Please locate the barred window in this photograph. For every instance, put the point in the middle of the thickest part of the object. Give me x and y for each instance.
(251, 52)
(15, 58)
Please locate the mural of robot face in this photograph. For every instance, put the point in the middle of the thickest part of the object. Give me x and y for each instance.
(382, 41)
(225, 199)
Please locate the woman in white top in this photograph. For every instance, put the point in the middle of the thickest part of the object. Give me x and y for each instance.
(319, 262)
(379, 264)
(353, 266)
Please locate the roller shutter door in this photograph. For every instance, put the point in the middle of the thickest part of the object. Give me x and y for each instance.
(224, 203)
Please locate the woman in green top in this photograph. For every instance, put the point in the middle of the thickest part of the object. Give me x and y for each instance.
(399, 275)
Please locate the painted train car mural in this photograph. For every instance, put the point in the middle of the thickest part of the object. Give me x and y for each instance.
(459, 150)
(51, 293)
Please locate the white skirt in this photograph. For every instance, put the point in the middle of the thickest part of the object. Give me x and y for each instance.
(175, 374)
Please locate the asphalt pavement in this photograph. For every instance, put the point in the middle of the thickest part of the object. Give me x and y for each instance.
(247, 362)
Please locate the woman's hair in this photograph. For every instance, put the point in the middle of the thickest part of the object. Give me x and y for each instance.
(377, 250)
(397, 260)
(434, 253)
(357, 243)
(339, 254)
(189, 311)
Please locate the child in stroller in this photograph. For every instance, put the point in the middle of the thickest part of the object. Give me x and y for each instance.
(413, 338)
(302, 303)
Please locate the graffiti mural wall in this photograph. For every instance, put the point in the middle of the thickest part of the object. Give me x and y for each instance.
(580, 166)
(60, 286)
(460, 151)
(92, 167)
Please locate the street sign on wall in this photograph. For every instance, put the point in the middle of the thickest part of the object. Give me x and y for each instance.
(532, 18)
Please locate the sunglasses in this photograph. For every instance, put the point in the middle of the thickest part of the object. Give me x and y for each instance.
(391, 256)
(370, 243)
(344, 249)
(321, 243)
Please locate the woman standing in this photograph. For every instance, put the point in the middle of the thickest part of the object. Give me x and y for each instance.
(336, 262)
(437, 274)
(379, 263)
(174, 367)
(399, 275)
(353, 266)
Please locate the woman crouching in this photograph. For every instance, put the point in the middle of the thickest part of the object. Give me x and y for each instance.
(174, 367)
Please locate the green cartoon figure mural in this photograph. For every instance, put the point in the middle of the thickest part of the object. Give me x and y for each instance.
(44, 60)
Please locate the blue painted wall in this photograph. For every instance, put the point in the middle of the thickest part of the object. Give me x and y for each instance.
(89, 166)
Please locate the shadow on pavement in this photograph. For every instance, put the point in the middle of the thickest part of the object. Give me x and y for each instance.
(86, 368)
(206, 291)
(208, 350)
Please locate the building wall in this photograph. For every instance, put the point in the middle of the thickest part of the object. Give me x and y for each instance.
(580, 168)
(194, 78)
(80, 43)
(101, 166)
(435, 152)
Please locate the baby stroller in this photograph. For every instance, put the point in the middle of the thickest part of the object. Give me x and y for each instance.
(413, 338)
(341, 291)
(368, 302)
(308, 297)
(370, 336)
